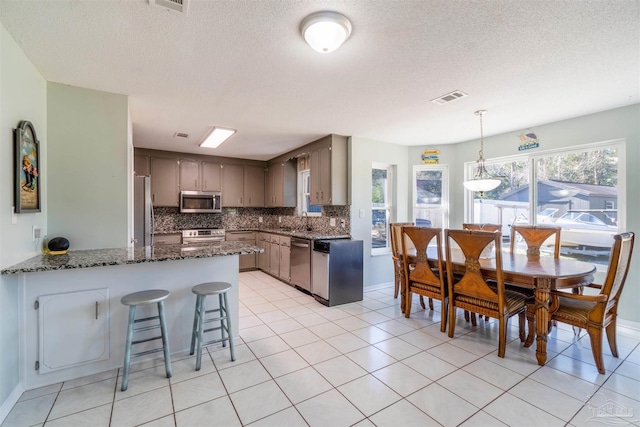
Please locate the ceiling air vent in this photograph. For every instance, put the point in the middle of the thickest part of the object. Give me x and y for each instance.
(180, 6)
(181, 135)
(452, 96)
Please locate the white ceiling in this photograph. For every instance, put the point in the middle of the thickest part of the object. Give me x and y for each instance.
(243, 64)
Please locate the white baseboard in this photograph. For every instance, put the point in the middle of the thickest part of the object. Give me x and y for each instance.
(629, 324)
(8, 404)
(378, 286)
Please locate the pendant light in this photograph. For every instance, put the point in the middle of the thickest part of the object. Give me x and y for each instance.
(481, 181)
(325, 31)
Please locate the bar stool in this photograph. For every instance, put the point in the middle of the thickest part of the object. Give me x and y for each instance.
(199, 318)
(142, 298)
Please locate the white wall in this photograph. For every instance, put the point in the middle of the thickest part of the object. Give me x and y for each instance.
(363, 153)
(89, 165)
(22, 97)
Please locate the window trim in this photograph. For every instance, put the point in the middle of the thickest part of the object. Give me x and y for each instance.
(389, 205)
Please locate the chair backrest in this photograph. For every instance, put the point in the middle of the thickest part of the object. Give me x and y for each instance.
(482, 227)
(618, 266)
(420, 270)
(534, 236)
(473, 283)
(395, 230)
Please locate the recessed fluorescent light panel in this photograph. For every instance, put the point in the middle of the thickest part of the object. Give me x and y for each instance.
(216, 136)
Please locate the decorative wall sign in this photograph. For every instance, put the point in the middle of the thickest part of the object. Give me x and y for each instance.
(430, 156)
(27, 169)
(528, 140)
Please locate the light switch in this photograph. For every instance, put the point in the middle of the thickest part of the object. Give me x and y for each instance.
(332, 222)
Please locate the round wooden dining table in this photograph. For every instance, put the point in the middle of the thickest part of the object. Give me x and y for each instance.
(541, 275)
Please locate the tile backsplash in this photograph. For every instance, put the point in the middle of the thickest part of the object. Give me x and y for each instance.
(169, 220)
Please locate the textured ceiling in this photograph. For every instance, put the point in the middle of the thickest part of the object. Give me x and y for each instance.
(243, 65)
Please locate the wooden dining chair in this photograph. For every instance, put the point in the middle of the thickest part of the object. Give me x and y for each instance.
(535, 236)
(597, 312)
(420, 277)
(473, 293)
(396, 255)
(481, 227)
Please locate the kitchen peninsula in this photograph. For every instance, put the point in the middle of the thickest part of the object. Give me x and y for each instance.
(70, 312)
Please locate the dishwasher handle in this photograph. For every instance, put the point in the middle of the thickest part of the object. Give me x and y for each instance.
(300, 245)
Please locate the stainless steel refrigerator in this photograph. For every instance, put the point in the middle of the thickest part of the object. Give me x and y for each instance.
(142, 212)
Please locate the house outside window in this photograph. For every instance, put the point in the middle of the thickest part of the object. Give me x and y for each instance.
(381, 207)
(431, 196)
(304, 195)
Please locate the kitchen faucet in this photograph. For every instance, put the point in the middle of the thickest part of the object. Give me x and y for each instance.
(305, 215)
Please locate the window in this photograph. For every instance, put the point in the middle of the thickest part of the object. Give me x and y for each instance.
(304, 198)
(381, 204)
(430, 196)
(576, 189)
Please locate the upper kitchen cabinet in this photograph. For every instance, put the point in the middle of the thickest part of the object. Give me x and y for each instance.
(141, 165)
(281, 185)
(189, 175)
(328, 171)
(232, 185)
(211, 176)
(253, 186)
(164, 181)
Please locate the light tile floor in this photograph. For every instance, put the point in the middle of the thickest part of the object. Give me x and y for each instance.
(300, 363)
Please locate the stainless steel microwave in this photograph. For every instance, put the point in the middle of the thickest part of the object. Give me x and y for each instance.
(200, 202)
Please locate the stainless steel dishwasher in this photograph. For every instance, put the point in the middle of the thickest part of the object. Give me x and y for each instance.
(301, 264)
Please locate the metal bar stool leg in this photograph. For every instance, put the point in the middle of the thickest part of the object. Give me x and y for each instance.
(221, 306)
(194, 330)
(127, 348)
(226, 312)
(200, 301)
(165, 341)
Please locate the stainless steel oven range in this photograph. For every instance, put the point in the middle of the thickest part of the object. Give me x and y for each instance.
(202, 235)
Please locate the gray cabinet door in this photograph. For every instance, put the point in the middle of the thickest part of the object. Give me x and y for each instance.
(210, 176)
(232, 185)
(253, 186)
(189, 175)
(285, 259)
(164, 181)
(141, 165)
(325, 175)
(274, 259)
(314, 175)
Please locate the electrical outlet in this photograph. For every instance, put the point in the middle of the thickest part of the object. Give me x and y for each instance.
(35, 233)
(332, 222)
(259, 219)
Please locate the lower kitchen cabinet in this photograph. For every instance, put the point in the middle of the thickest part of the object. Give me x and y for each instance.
(264, 242)
(285, 259)
(73, 329)
(248, 261)
(274, 255)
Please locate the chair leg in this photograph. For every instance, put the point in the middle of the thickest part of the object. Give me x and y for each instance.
(595, 334)
(521, 324)
(407, 306)
(466, 316)
(396, 285)
(127, 348)
(452, 319)
(443, 315)
(430, 304)
(502, 343)
(531, 333)
(422, 302)
(229, 329)
(611, 337)
(165, 339)
(474, 322)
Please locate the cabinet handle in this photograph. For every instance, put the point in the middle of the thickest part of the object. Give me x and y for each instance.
(96, 310)
(196, 181)
(249, 199)
(205, 184)
(153, 197)
(322, 195)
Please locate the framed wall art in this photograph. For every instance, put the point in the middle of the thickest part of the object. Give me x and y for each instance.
(27, 169)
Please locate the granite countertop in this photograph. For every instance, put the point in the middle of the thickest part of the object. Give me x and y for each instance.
(120, 256)
(303, 234)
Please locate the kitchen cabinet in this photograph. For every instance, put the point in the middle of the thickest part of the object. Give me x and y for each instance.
(328, 172)
(274, 255)
(253, 186)
(264, 242)
(232, 185)
(189, 175)
(164, 181)
(141, 165)
(285, 259)
(73, 329)
(281, 185)
(211, 176)
(167, 239)
(247, 261)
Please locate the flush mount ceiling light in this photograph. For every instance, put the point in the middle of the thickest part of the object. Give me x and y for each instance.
(325, 31)
(216, 136)
(481, 181)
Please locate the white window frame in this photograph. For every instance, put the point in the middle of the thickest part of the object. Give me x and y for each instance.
(388, 207)
(533, 158)
(444, 204)
(302, 200)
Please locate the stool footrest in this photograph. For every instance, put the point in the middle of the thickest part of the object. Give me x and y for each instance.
(146, 319)
(217, 329)
(146, 328)
(142, 353)
(146, 340)
(214, 341)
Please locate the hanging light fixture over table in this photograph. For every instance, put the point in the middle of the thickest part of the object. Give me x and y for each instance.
(482, 180)
(325, 31)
